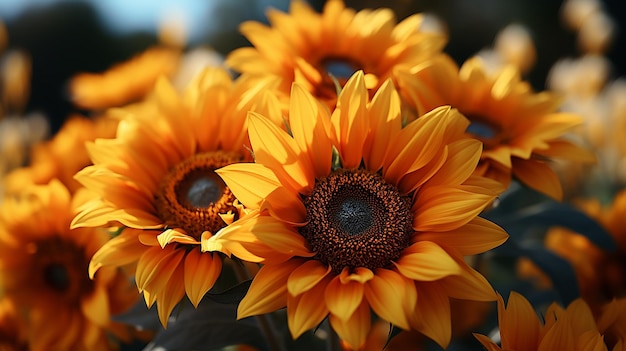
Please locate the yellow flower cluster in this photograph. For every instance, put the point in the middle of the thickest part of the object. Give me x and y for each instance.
(344, 174)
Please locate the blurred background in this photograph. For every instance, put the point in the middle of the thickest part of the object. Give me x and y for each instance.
(66, 37)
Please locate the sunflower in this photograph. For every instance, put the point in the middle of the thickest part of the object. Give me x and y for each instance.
(520, 130)
(573, 328)
(312, 48)
(155, 180)
(63, 155)
(125, 82)
(382, 228)
(601, 275)
(44, 264)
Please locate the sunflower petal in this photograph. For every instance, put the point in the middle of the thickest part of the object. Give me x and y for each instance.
(355, 328)
(307, 276)
(268, 291)
(433, 318)
(539, 176)
(342, 299)
(477, 236)
(392, 297)
(426, 261)
(519, 325)
(121, 250)
(304, 311)
(201, 270)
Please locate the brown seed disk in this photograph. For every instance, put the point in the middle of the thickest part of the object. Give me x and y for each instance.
(192, 196)
(357, 219)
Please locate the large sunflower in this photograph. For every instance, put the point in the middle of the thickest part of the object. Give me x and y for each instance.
(43, 265)
(383, 228)
(156, 181)
(573, 328)
(307, 47)
(521, 130)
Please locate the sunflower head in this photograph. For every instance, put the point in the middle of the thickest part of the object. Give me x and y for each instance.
(364, 212)
(521, 130)
(320, 51)
(44, 271)
(156, 180)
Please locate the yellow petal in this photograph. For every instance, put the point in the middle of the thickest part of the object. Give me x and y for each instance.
(426, 261)
(468, 285)
(487, 343)
(385, 122)
(175, 236)
(201, 270)
(310, 128)
(277, 150)
(349, 120)
(462, 161)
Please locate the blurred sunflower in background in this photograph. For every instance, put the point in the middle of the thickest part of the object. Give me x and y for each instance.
(44, 273)
(521, 130)
(156, 181)
(377, 217)
(316, 50)
(573, 328)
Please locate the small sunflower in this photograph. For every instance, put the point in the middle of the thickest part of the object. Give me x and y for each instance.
(156, 180)
(573, 328)
(520, 130)
(312, 48)
(44, 264)
(382, 228)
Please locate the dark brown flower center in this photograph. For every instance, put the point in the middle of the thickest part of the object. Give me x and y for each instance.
(192, 196)
(356, 219)
(334, 70)
(62, 267)
(489, 134)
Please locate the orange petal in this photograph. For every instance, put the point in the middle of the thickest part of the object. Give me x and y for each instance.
(353, 330)
(169, 296)
(441, 208)
(462, 161)
(307, 276)
(392, 296)
(477, 236)
(426, 261)
(559, 337)
(342, 299)
(201, 270)
(251, 183)
(268, 291)
(539, 176)
(519, 324)
(304, 311)
(433, 317)
(175, 236)
(96, 306)
(468, 285)
(487, 343)
(119, 251)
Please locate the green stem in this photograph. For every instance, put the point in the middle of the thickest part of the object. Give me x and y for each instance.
(265, 321)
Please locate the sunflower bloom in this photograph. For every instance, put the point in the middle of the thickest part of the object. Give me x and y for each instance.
(601, 275)
(520, 129)
(309, 48)
(43, 265)
(156, 181)
(383, 228)
(573, 328)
